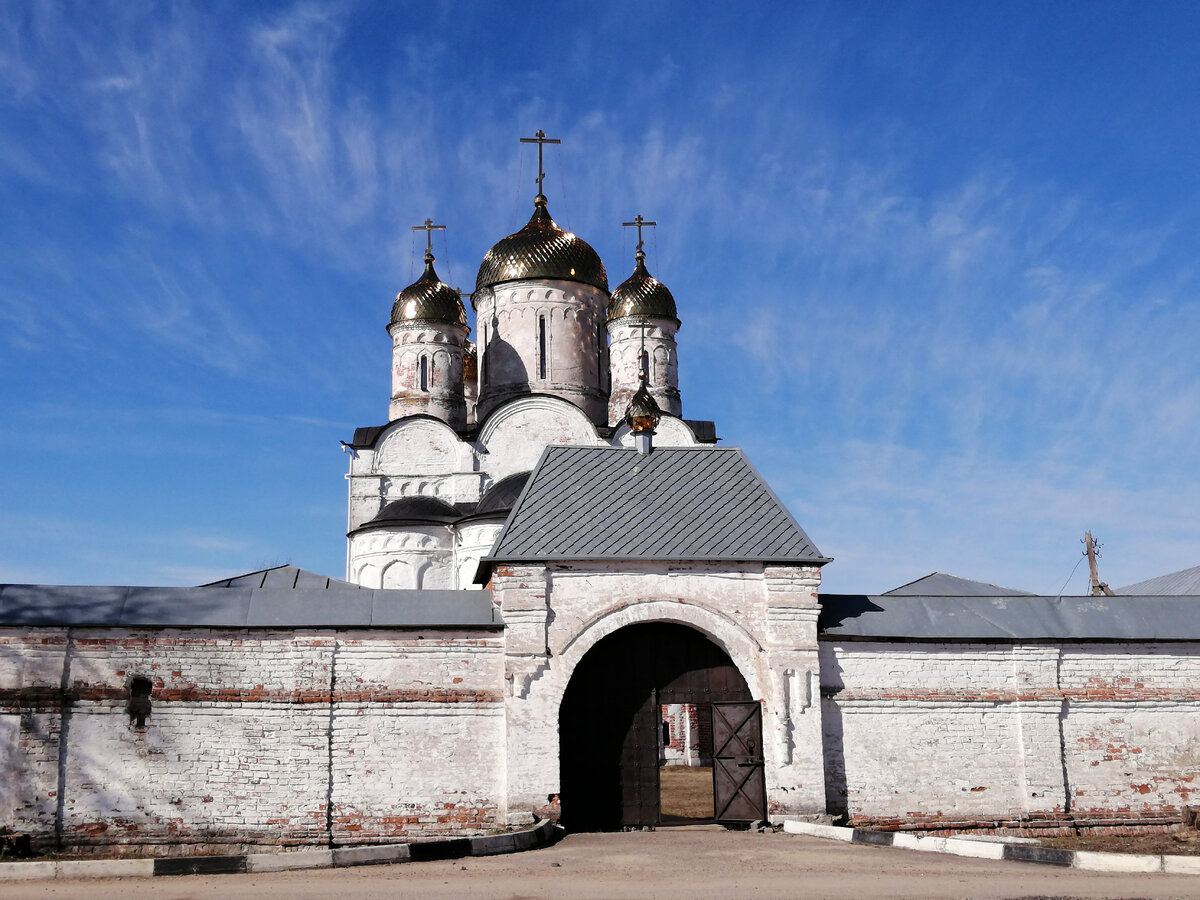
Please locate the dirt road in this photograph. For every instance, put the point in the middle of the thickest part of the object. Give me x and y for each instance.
(662, 864)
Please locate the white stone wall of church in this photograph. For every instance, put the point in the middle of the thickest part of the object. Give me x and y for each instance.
(976, 732)
(878, 670)
(240, 739)
(410, 557)
(509, 333)
(473, 540)
(670, 432)
(415, 457)
(419, 457)
(625, 349)
(515, 436)
(10, 762)
(441, 347)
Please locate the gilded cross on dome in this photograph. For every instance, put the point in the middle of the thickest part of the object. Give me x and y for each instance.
(429, 228)
(638, 223)
(540, 139)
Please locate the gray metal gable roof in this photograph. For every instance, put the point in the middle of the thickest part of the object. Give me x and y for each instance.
(1185, 581)
(685, 503)
(939, 584)
(285, 576)
(243, 607)
(1011, 618)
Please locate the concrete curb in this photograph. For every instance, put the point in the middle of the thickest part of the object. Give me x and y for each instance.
(998, 848)
(541, 835)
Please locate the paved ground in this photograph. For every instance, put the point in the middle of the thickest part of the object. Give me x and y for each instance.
(662, 864)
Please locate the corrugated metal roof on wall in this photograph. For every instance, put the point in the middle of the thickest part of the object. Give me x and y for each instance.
(243, 607)
(884, 617)
(1185, 581)
(682, 503)
(939, 584)
(282, 577)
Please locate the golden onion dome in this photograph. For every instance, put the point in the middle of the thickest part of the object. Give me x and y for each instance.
(641, 294)
(542, 250)
(642, 414)
(428, 299)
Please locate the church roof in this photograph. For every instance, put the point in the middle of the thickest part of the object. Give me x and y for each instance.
(542, 250)
(502, 496)
(243, 607)
(1185, 581)
(366, 436)
(283, 577)
(939, 584)
(428, 299)
(641, 294)
(1005, 619)
(686, 503)
(417, 509)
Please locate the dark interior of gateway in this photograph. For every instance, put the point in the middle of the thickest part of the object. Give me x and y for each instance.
(657, 727)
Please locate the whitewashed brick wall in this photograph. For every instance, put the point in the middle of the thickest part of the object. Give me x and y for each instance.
(972, 733)
(241, 741)
(442, 732)
(764, 617)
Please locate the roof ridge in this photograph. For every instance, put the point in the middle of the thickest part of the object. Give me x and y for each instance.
(678, 503)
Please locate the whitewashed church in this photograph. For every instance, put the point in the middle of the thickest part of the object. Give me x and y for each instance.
(563, 598)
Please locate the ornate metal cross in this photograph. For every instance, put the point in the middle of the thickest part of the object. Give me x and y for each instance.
(540, 139)
(638, 222)
(429, 228)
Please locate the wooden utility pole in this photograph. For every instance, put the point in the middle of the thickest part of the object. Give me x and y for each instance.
(1092, 549)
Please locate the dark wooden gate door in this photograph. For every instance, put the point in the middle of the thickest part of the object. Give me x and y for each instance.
(739, 788)
(639, 766)
(610, 723)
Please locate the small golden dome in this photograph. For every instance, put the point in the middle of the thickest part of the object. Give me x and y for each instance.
(428, 299)
(642, 414)
(542, 250)
(641, 294)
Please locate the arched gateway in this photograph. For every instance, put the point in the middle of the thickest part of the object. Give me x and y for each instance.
(651, 585)
(657, 726)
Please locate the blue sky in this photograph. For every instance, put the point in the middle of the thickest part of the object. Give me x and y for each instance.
(936, 263)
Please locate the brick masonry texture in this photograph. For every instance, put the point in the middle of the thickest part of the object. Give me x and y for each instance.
(314, 738)
(978, 736)
(293, 739)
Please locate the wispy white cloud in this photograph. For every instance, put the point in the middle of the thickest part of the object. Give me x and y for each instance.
(952, 337)
(888, 514)
(1004, 382)
(292, 150)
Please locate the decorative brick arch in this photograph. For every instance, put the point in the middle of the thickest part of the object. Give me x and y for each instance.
(741, 647)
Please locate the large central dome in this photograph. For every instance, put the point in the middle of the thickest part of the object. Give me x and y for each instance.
(542, 250)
